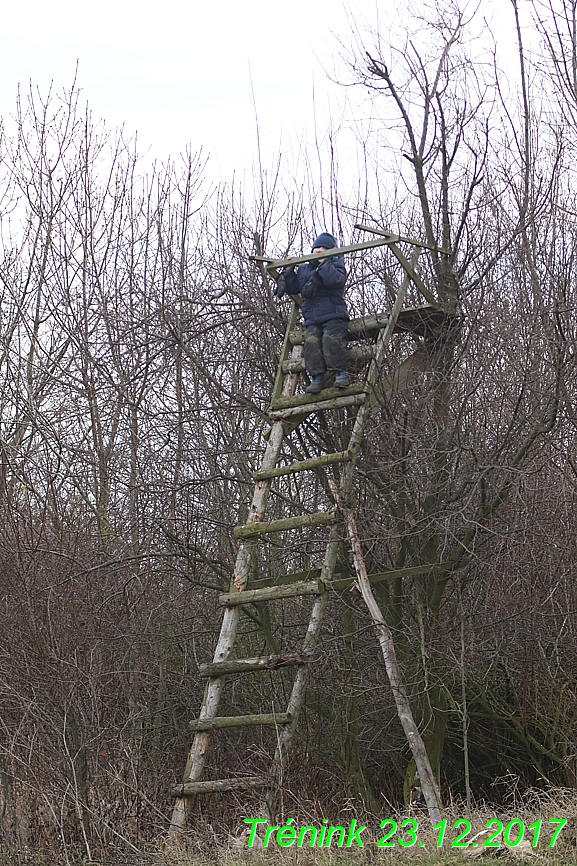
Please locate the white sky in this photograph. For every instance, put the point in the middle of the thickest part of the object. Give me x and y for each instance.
(180, 73)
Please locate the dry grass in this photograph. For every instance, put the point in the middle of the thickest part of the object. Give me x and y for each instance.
(208, 849)
(556, 804)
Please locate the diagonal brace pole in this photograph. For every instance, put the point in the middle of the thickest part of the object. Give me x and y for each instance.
(385, 637)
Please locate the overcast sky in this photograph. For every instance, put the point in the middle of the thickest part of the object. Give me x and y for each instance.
(185, 73)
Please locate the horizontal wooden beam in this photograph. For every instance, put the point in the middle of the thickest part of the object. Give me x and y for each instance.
(325, 394)
(245, 666)
(252, 530)
(271, 593)
(394, 574)
(283, 579)
(319, 406)
(411, 319)
(220, 722)
(357, 328)
(304, 465)
(191, 789)
(385, 238)
(271, 263)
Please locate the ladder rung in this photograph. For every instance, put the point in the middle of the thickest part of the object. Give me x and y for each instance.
(191, 788)
(300, 400)
(240, 721)
(243, 666)
(303, 465)
(281, 580)
(320, 406)
(269, 593)
(293, 577)
(252, 530)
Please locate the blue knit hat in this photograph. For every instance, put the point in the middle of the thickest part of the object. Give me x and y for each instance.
(325, 240)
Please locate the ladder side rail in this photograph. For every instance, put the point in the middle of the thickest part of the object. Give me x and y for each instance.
(385, 336)
(286, 736)
(285, 352)
(242, 570)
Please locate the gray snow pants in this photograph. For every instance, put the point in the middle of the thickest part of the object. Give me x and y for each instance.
(326, 347)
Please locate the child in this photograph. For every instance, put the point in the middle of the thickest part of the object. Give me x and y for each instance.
(321, 284)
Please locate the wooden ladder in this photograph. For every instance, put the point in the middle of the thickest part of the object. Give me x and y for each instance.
(286, 411)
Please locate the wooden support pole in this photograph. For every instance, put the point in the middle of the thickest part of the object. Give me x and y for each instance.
(284, 355)
(428, 296)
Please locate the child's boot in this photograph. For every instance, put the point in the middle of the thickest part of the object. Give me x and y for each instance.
(341, 379)
(316, 385)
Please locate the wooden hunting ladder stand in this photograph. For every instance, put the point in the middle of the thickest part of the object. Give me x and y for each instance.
(286, 411)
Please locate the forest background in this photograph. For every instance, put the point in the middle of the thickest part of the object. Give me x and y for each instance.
(138, 350)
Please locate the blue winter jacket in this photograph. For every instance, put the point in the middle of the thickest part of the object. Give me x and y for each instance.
(328, 301)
